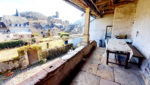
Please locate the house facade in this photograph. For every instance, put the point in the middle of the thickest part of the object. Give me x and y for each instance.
(15, 27)
(3, 28)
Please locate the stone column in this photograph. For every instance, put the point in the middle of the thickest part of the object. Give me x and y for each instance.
(86, 27)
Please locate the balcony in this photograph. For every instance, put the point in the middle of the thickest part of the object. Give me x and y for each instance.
(87, 65)
(94, 71)
(83, 66)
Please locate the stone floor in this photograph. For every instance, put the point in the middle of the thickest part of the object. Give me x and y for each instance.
(96, 72)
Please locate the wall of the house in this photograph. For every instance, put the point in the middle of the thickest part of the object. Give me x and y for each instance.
(141, 34)
(123, 19)
(98, 27)
(142, 25)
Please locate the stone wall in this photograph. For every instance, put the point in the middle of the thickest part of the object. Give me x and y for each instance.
(98, 27)
(141, 32)
(124, 19)
(56, 76)
(54, 72)
(20, 62)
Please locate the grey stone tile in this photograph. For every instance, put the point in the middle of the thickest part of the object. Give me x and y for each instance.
(105, 72)
(125, 78)
(95, 69)
(90, 68)
(84, 78)
(107, 82)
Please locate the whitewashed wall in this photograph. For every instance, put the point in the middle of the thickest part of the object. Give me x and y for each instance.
(123, 19)
(98, 27)
(142, 25)
(141, 35)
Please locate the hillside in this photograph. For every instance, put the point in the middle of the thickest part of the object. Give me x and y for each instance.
(13, 20)
(33, 15)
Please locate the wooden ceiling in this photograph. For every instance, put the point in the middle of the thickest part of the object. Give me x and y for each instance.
(99, 7)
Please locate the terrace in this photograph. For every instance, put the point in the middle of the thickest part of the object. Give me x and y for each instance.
(89, 64)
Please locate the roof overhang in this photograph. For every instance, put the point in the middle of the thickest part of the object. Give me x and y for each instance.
(99, 7)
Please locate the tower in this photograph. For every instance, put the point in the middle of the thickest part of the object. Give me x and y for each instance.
(57, 14)
(17, 13)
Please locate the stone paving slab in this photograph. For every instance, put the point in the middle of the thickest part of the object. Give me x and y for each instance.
(125, 78)
(84, 78)
(90, 68)
(94, 61)
(103, 60)
(107, 82)
(108, 74)
(105, 72)
(95, 57)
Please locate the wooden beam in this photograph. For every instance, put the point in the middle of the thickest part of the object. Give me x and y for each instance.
(92, 6)
(109, 7)
(123, 3)
(96, 7)
(75, 5)
(80, 3)
(99, 8)
(108, 12)
(105, 8)
(102, 2)
(94, 13)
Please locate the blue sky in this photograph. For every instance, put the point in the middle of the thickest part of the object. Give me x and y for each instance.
(46, 7)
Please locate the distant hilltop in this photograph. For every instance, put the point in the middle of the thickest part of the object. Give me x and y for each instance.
(39, 22)
(33, 15)
(13, 20)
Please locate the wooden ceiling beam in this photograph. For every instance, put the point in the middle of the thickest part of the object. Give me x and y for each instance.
(80, 3)
(106, 8)
(93, 7)
(94, 13)
(123, 3)
(108, 12)
(103, 2)
(99, 8)
(75, 5)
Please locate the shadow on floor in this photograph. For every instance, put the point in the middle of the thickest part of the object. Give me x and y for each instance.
(92, 70)
(76, 70)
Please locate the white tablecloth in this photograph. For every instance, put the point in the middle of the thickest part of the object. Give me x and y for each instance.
(119, 45)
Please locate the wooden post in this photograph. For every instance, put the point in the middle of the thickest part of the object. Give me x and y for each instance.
(86, 27)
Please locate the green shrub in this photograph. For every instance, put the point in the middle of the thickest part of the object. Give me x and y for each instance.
(35, 47)
(11, 44)
(56, 52)
(33, 40)
(61, 34)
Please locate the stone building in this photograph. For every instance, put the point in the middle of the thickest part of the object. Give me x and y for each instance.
(16, 26)
(3, 28)
(85, 65)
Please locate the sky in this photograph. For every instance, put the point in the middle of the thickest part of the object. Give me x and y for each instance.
(46, 7)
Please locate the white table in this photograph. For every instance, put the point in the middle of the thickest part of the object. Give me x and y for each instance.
(119, 46)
